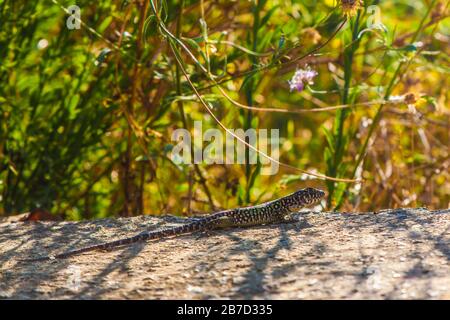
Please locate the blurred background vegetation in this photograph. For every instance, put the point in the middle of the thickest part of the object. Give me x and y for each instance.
(86, 115)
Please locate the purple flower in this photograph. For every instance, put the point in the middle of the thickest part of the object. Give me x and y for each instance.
(302, 76)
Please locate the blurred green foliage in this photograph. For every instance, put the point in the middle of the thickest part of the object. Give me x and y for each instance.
(86, 115)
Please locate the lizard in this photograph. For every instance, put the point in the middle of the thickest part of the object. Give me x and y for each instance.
(275, 211)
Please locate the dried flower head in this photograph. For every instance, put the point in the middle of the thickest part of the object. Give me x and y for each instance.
(302, 76)
(410, 98)
(351, 7)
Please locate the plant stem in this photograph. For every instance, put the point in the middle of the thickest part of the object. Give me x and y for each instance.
(180, 105)
(341, 115)
(389, 90)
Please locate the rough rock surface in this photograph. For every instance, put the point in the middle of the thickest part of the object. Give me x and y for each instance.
(393, 254)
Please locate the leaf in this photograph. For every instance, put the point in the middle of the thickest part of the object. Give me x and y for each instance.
(105, 23)
(267, 16)
(150, 27)
(328, 157)
(254, 175)
(339, 194)
(330, 138)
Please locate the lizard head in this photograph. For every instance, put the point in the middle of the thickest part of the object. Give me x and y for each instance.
(305, 197)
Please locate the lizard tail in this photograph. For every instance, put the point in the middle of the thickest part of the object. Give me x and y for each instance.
(152, 235)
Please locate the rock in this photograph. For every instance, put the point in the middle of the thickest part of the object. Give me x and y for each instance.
(395, 254)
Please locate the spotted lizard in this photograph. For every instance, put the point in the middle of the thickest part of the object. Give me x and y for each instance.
(275, 211)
